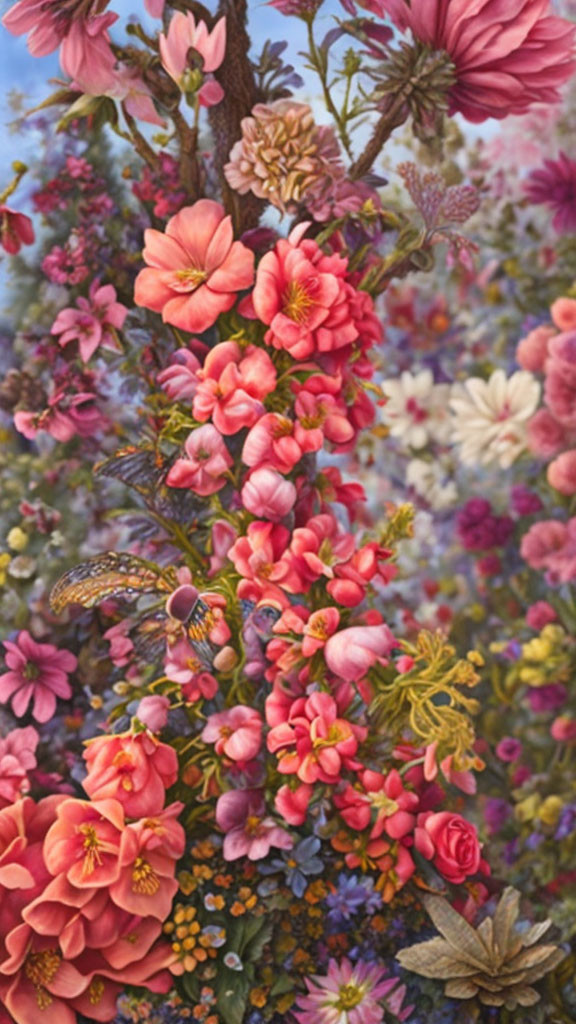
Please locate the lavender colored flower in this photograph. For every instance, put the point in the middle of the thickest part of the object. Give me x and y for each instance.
(297, 864)
(352, 895)
(496, 813)
(566, 822)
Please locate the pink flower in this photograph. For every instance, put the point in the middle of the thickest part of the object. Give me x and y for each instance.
(272, 443)
(155, 8)
(183, 666)
(540, 614)
(232, 384)
(352, 652)
(554, 185)
(546, 436)
(250, 832)
(506, 56)
(223, 537)
(90, 324)
(37, 673)
(185, 35)
(206, 464)
(563, 729)
(149, 849)
(451, 843)
(134, 95)
(379, 803)
(301, 294)
(563, 313)
(324, 743)
(509, 749)
(551, 545)
(195, 269)
(255, 554)
(292, 804)
(16, 230)
(17, 758)
(562, 473)
(236, 733)
(152, 711)
(269, 495)
(67, 416)
(180, 379)
(320, 626)
(86, 55)
(136, 770)
(351, 994)
(84, 842)
(531, 351)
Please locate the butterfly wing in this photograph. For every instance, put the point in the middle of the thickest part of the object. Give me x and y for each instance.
(112, 574)
(144, 468)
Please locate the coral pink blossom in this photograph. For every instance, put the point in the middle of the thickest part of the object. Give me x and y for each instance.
(551, 545)
(183, 35)
(531, 351)
(84, 842)
(17, 758)
(560, 392)
(236, 733)
(314, 743)
(148, 853)
(352, 652)
(232, 385)
(16, 230)
(320, 626)
(563, 313)
(183, 666)
(136, 770)
(379, 803)
(562, 473)
(37, 673)
(179, 380)
(301, 294)
(316, 549)
(67, 415)
(267, 494)
(250, 831)
(540, 614)
(206, 463)
(195, 269)
(272, 443)
(451, 843)
(563, 729)
(93, 322)
(256, 553)
(507, 56)
(292, 804)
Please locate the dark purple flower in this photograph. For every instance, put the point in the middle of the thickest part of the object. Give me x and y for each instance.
(547, 698)
(524, 501)
(478, 529)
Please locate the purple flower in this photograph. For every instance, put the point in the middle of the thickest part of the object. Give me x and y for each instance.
(554, 185)
(524, 501)
(250, 832)
(496, 813)
(509, 749)
(548, 698)
(478, 529)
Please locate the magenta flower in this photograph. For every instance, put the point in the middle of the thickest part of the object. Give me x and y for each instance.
(554, 185)
(93, 322)
(250, 832)
(351, 994)
(38, 673)
(351, 652)
(507, 55)
(268, 495)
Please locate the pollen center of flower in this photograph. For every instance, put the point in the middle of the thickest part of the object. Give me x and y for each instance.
(297, 302)
(125, 766)
(40, 969)
(91, 845)
(31, 671)
(416, 411)
(96, 991)
(144, 879)
(383, 803)
(191, 277)
(349, 996)
(252, 826)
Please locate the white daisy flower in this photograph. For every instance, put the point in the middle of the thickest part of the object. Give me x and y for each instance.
(490, 417)
(431, 482)
(417, 409)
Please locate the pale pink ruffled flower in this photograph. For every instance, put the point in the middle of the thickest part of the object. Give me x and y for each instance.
(206, 464)
(268, 495)
(17, 758)
(235, 733)
(283, 155)
(93, 322)
(250, 832)
(507, 55)
(86, 55)
(37, 673)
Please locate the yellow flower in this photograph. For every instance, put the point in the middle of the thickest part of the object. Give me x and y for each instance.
(527, 809)
(259, 997)
(17, 539)
(550, 810)
(538, 649)
(5, 560)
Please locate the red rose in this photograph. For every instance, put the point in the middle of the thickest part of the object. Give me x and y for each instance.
(451, 843)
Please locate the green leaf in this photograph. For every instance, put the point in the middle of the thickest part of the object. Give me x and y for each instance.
(232, 988)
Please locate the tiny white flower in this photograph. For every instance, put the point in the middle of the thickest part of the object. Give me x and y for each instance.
(432, 483)
(490, 416)
(417, 409)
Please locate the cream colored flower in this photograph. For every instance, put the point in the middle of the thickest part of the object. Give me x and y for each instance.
(417, 409)
(490, 416)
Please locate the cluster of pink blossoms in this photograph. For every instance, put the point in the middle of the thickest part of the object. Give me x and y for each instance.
(265, 403)
(551, 350)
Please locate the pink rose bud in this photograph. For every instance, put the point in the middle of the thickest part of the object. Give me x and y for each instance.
(539, 615)
(268, 495)
(531, 351)
(562, 473)
(152, 711)
(563, 729)
(563, 313)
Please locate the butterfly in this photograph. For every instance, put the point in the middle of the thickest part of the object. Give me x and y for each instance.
(113, 574)
(144, 469)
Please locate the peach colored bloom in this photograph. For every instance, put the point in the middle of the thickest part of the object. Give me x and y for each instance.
(532, 351)
(149, 850)
(136, 770)
(507, 56)
(195, 268)
(563, 313)
(84, 842)
(313, 742)
(37, 673)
